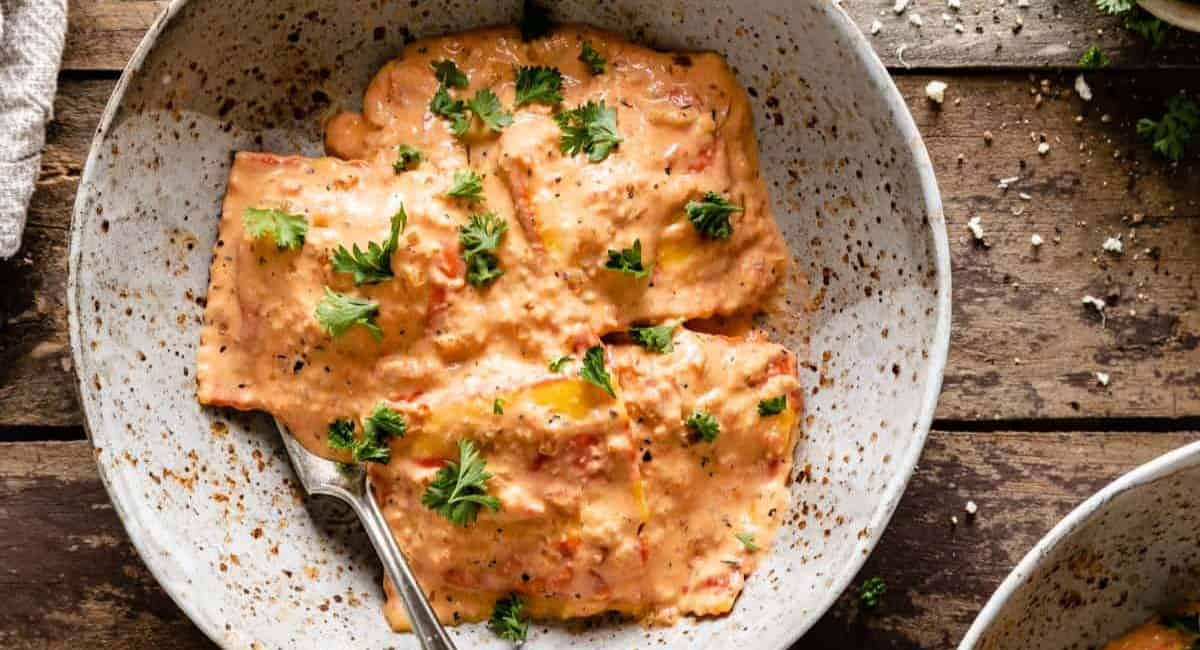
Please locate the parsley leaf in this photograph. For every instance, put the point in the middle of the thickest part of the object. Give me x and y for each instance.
(594, 60)
(590, 129)
(747, 540)
(557, 364)
(538, 84)
(467, 185)
(486, 105)
(373, 265)
(628, 261)
(773, 406)
(1094, 58)
(448, 74)
(535, 21)
(498, 406)
(479, 239)
(338, 312)
(454, 110)
(656, 339)
(460, 488)
(506, 619)
(1148, 26)
(1115, 7)
(1176, 131)
(341, 434)
(870, 594)
(288, 230)
(593, 370)
(711, 215)
(704, 426)
(372, 447)
(384, 422)
(406, 158)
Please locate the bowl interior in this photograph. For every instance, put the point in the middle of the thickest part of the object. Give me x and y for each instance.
(1130, 552)
(207, 495)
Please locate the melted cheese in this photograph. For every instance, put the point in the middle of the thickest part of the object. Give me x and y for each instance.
(607, 504)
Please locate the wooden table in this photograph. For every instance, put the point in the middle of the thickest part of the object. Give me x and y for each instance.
(1024, 428)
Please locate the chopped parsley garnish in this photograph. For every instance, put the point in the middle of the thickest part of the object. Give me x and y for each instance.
(338, 312)
(747, 540)
(704, 426)
(486, 105)
(871, 592)
(628, 261)
(498, 406)
(467, 186)
(479, 239)
(590, 129)
(1094, 58)
(406, 158)
(773, 406)
(454, 110)
(460, 488)
(372, 447)
(384, 422)
(1148, 26)
(535, 21)
(288, 230)
(1178, 129)
(448, 74)
(710, 216)
(538, 84)
(658, 339)
(556, 365)
(341, 434)
(594, 60)
(506, 619)
(1115, 7)
(373, 265)
(593, 370)
(1188, 623)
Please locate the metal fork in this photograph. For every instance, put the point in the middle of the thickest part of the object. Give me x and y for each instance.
(320, 476)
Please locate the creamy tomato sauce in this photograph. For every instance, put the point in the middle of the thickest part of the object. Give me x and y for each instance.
(607, 502)
(1160, 634)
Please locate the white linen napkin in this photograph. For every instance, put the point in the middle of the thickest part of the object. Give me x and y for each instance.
(31, 44)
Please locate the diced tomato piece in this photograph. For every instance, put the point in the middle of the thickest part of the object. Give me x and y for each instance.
(430, 461)
(703, 158)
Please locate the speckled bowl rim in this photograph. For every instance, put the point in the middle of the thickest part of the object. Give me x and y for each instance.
(903, 122)
(1159, 468)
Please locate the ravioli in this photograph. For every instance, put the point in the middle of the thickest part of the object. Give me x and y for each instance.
(686, 130)
(607, 502)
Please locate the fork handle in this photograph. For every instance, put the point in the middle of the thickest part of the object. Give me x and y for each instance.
(424, 621)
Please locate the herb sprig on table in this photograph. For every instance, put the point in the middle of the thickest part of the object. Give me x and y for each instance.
(507, 620)
(1177, 130)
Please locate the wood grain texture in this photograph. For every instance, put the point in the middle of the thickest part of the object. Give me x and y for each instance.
(1023, 346)
(94, 591)
(1051, 33)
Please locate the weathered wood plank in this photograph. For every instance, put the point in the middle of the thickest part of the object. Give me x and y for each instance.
(95, 590)
(1047, 34)
(104, 33)
(1023, 345)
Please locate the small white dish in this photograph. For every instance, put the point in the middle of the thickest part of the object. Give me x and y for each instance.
(1127, 553)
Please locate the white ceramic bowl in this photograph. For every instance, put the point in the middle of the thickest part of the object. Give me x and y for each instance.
(1128, 552)
(207, 496)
